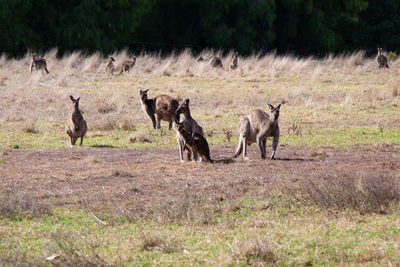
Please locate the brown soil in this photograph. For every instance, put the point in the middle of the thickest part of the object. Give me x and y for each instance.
(146, 178)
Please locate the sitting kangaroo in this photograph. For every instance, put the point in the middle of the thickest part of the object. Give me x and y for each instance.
(39, 64)
(382, 59)
(161, 107)
(110, 65)
(215, 62)
(189, 124)
(234, 62)
(76, 125)
(127, 65)
(257, 127)
(196, 142)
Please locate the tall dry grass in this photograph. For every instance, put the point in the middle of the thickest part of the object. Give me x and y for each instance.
(29, 97)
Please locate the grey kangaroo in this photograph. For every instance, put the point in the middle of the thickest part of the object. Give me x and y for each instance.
(234, 62)
(257, 126)
(189, 124)
(382, 59)
(76, 125)
(110, 65)
(197, 143)
(161, 107)
(39, 64)
(215, 62)
(127, 65)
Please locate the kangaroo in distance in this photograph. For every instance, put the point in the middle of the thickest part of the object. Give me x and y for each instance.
(76, 125)
(257, 126)
(382, 59)
(196, 142)
(189, 124)
(161, 107)
(110, 65)
(215, 62)
(39, 64)
(234, 62)
(127, 65)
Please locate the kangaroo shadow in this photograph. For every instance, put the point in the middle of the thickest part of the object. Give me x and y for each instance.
(102, 146)
(294, 159)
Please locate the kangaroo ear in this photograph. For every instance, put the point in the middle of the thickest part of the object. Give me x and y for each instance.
(270, 106)
(278, 106)
(78, 99)
(72, 98)
(112, 59)
(187, 101)
(146, 90)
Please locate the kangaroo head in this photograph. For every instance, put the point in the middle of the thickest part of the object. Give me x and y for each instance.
(134, 58)
(275, 110)
(75, 101)
(379, 50)
(200, 59)
(183, 106)
(143, 94)
(235, 55)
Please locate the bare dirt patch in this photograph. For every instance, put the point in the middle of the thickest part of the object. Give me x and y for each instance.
(148, 178)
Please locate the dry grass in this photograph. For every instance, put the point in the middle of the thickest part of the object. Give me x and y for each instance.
(14, 205)
(364, 194)
(255, 251)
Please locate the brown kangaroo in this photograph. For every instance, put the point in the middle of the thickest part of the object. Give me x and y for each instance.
(189, 124)
(197, 143)
(110, 65)
(161, 107)
(76, 125)
(215, 62)
(382, 59)
(127, 65)
(257, 126)
(39, 64)
(234, 62)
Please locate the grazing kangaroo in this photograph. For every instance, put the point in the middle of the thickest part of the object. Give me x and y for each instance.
(127, 65)
(110, 65)
(234, 62)
(215, 62)
(76, 125)
(39, 64)
(196, 142)
(189, 124)
(161, 107)
(257, 127)
(382, 59)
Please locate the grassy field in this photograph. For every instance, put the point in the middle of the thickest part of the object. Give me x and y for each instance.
(331, 197)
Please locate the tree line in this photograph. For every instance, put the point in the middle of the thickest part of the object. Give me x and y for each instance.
(302, 27)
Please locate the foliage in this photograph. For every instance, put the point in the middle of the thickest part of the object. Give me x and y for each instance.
(299, 26)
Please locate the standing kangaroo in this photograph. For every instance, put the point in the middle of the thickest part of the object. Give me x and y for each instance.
(234, 62)
(39, 64)
(189, 125)
(257, 126)
(127, 65)
(215, 62)
(161, 107)
(196, 142)
(76, 125)
(382, 59)
(110, 65)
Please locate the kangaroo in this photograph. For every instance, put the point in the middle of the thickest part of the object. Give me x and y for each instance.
(161, 107)
(76, 125)
(257, 126)
(189, 124)
(382, 59)
(39, 64)
(127, 65)
(196, 142)
(215, 62)
(234, 62)
(110, 65)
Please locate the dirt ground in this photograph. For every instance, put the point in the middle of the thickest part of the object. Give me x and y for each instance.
(146, 178)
